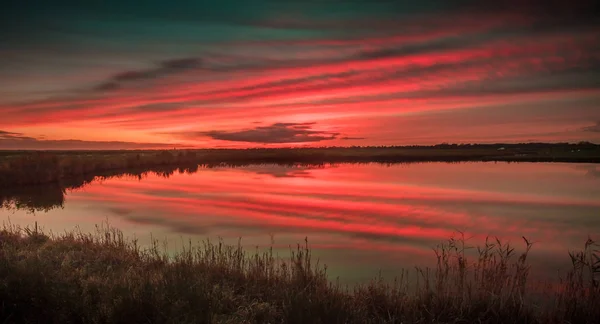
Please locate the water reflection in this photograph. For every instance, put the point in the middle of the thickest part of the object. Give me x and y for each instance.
(359, 218)
(591, 171)
(43, 198)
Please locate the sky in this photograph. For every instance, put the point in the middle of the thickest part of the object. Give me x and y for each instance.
(270, 73)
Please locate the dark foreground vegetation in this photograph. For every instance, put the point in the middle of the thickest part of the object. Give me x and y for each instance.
(104, 278)
(37, 167)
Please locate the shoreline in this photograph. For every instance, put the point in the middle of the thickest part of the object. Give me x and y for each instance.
(42, 167)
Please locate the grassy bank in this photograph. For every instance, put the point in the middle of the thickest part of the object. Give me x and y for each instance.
(26, 167)
(104, 278)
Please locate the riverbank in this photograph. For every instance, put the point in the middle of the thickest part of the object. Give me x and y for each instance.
(104, 278)
(38, 167)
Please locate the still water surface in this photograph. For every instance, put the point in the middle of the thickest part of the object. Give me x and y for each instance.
(359, 219)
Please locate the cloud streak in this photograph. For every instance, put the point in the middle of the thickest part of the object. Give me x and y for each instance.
(363, 72)
(594, 128)
(17, 141)
(164, 68)
(10, 136)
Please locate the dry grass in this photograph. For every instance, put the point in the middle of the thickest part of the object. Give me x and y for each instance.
(105, 278)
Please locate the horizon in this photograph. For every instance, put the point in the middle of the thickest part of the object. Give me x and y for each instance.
(580, 143)
(293, 74)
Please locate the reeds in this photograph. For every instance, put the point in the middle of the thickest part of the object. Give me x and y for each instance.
(104, 278)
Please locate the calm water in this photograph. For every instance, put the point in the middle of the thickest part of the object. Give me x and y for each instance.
(359, 219)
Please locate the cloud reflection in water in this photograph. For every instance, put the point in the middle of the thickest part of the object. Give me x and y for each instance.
(376, 214)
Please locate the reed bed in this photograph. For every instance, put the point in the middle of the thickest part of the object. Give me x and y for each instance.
(103, 277)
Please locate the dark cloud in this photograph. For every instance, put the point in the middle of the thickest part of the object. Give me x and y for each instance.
(180, 64)
(4, 135)
(163, 68)
(107, 86)
(134, 76)
(443, 44)
(18, 141)
(303, 81)
(554, 10)
(159, 107)
(594, 128)
(352, 138)
(273, 134)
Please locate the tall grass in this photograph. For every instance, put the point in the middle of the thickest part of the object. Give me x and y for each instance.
(104, 278)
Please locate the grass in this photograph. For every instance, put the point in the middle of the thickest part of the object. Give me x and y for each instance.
(104, 278)
(40, 167)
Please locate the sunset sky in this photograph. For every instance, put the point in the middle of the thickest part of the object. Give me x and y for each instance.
(106, 74)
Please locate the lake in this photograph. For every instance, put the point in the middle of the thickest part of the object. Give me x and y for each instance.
(359, 219)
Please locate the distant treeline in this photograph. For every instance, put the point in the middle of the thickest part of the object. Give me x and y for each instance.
(40, 167)
(533, 145)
